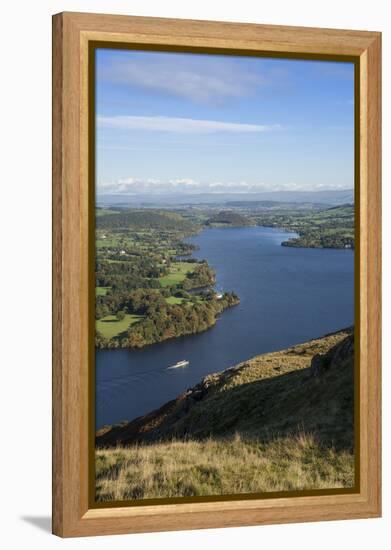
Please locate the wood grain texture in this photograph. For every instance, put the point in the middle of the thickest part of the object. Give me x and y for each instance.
(72, 515)
(222, 35)
(372, 259)
(57, 461)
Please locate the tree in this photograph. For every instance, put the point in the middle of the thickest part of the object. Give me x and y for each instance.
(120, 315)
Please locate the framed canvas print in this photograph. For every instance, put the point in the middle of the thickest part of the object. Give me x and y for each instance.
(216, 296)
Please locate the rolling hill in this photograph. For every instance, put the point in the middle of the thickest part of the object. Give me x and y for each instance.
(228, 218)
(144, 219)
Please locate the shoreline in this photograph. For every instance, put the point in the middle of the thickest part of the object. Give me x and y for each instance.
(204, 359)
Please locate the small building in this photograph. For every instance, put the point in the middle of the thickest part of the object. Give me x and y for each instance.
(122, 252)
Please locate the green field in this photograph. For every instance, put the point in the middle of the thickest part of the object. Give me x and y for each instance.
(105, 212)
(173, 300)
(107, 242)
(101, 290)
(113, 241)
(177, 273)
(110, 327)
(116, 261)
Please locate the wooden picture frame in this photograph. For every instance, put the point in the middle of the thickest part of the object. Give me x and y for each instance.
(73, 514)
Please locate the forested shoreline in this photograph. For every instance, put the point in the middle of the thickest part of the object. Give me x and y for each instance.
(149, 287)
(161, 321)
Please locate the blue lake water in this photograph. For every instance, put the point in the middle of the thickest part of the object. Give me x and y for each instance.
(288, 295)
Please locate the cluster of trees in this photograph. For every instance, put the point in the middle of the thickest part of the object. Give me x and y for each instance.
(162, 321)
(203, 275)
(145, 219)
(141, 276)
(131, 274)
(185, 249)
(141, 266)
(319, 240)
(229, 218)
(138, 301)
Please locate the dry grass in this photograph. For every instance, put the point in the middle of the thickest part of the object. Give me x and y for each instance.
(220, 466)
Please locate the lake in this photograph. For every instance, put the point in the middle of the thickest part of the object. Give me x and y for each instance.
(288, 295)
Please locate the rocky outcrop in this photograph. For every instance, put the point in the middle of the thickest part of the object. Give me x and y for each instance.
(338, 354)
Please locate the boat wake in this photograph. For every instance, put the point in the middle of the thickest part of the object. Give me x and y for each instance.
(179, 365)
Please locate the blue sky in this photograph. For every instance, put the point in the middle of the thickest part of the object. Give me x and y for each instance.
(189, 123)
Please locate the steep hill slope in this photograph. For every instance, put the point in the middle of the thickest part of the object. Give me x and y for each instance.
(307, 387)
(280, 421)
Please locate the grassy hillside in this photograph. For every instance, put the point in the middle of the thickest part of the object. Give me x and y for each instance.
(279, 421)
(105, 211)
(215, 467)
(228, 218)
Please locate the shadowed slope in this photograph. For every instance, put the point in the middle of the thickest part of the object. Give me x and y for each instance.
(307, 388)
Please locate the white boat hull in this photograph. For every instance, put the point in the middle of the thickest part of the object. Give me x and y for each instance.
(180, 365)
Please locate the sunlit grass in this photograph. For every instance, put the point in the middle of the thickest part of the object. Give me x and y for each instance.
(102, 290)
(110, 326)
(218, 466)
(177, 273)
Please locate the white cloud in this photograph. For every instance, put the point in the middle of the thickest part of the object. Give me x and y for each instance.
(180, 125)
(183, 186)
(206, 80)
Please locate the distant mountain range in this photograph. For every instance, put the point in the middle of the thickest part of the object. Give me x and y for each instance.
(332, 198)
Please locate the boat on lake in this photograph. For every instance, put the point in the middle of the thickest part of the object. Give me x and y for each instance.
(180, 364)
